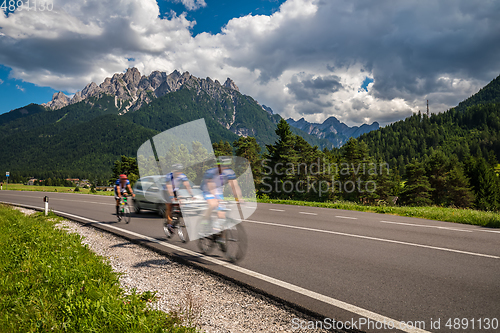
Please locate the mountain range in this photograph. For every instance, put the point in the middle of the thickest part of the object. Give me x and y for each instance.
(83, 135)
(332, 129)
(132, 90)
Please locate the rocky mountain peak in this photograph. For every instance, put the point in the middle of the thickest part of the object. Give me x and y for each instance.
(132, 77)
(332, 129)
(59, 100)
(132, 90)
(267, 109)
(231, 85)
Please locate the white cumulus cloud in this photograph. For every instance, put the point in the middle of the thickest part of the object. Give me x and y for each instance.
(192, 4)
(308, 59)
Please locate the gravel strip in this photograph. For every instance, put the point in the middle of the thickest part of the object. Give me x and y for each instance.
(218, 305)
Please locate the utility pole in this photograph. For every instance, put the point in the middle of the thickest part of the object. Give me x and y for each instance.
(427, 108)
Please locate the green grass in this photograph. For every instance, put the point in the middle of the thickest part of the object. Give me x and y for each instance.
(50, 282)
(60, 189)
(465, 216)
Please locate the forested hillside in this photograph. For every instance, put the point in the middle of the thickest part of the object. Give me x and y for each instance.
(468, 129)
(82, 140)
(487, 95)
(84, 150)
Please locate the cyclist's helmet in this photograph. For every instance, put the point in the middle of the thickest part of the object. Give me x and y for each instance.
(123, 176)
(177, 167)
(224, 161)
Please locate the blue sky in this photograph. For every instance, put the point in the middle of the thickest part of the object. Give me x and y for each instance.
(358, 61)
(211, 18)
(17, 93)
(216, 14)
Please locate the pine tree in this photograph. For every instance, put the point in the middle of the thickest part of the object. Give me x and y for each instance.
(355, 161)
(416, 191)
(459, 191)
(488, 191)
(438, 167)
(125, 165)
(385, 181)
(223, 148)
(485, 183)
(279, 162)
(248, 148)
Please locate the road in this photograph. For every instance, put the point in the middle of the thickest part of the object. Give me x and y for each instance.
(340, 264)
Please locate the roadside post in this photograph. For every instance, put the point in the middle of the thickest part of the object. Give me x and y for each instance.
(46, 200)
(7, 174)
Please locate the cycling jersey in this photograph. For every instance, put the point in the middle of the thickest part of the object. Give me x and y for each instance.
(220, 179)
(176, 181)
(123, 187)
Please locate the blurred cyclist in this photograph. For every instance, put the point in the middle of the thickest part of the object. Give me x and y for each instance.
(122, 184)
(213, 187)
(173, 181)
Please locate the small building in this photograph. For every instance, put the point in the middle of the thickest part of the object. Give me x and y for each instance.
(32, 181)
(104, 188)
(84, 182)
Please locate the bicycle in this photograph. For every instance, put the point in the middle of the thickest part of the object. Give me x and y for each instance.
(177, 223)
(124, 211)
(232, 240)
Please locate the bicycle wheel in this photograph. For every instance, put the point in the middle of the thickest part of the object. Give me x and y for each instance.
(205, 243)
(126, 214)
(235, 246)
(181, 229)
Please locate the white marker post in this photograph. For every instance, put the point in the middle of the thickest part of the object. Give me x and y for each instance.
(46, 200)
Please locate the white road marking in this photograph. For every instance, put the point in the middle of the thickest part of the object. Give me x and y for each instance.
(307, 213)
(376, 239)
(426, 226)
(306, 292)
(494, 231)
(92, 202)
(347, 217)
(277, 210)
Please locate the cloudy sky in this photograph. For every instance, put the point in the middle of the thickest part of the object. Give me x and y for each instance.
(360, 61)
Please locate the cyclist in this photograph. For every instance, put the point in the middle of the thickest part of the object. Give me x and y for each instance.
(122, 184)
(172, 182)
(213, 186)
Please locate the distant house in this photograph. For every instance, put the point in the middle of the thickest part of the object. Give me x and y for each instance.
(32, 181)
(104, 188)
(84, 182)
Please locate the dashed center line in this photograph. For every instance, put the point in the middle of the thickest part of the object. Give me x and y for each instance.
(347, 217)
(426, 226)
(375, 239)
(277, 210)
(307, 213)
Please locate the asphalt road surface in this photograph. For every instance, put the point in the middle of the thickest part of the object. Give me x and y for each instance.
(344, 265)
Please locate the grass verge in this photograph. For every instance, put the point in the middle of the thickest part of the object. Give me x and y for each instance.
(49, 281)
(60, 189)
(465, 216)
